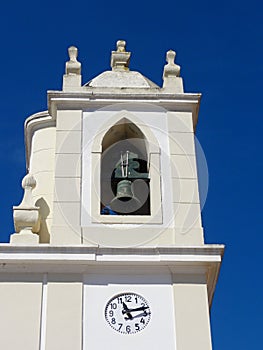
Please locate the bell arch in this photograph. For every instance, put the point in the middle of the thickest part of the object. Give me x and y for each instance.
(152, 143)
(126, 160)
(125, 180)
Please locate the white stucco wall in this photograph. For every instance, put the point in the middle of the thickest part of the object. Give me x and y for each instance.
(42, 163)
(192, 315)
(20, 316)
(64, 313)
(66, 310)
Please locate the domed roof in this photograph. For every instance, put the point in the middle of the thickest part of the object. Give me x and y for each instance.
(121, 79)
(120, 76)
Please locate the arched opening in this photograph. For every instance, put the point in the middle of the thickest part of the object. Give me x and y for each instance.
(125, 180)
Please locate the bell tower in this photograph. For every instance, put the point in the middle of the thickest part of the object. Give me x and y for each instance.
(111, 219)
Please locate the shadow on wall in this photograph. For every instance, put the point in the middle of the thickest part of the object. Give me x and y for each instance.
(44, 236)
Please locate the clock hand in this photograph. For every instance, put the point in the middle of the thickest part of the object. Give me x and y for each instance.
(126, 311)
(141, 314)
(125, 307)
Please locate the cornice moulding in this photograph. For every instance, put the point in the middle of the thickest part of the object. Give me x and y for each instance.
(99, 255)
(129, 94)
(99, 99)
(188, 261)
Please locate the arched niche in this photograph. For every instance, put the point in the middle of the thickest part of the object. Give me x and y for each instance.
(125, 132)
(125, 179)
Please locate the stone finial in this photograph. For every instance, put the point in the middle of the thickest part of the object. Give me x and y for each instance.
(171, 74)
(73, 66)
(171, 69)
(120, 59)
(26, 215)
(28, 184)
(121, 46)
(72, 78)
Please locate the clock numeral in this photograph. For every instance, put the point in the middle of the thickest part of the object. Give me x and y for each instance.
(142, 320)
(137, 327)
(113, 321)
(142, 304)
(113, 306)
(128, 298)
(136, 299)
(111, 313)
(119, 300)
(120, 325)
(128, 329)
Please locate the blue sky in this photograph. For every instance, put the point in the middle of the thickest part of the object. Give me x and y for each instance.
(219, 48)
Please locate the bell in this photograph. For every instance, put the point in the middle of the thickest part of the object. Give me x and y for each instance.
(124, 190)
(125, 201)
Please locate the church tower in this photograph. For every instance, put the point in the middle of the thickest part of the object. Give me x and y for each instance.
(109, 247)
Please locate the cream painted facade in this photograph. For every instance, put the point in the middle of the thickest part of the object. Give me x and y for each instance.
(68, 259)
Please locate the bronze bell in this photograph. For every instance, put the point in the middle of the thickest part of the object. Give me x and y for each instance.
(125, 201)
(124, 190)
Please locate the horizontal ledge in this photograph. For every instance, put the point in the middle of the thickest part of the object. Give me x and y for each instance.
(83, 259)
(176, 253)
(81, 102)
(130, 93)
(80, 258)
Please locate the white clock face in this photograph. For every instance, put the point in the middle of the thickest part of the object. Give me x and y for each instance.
(127, 313)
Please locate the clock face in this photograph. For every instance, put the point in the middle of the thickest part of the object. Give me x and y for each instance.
(127, 313)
